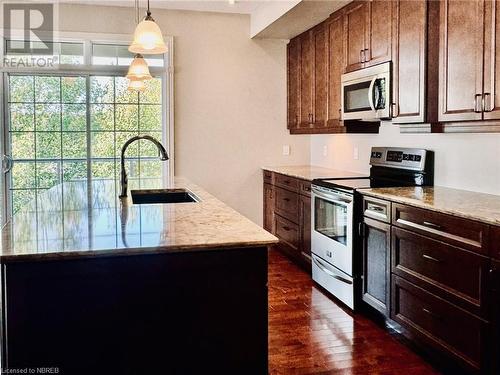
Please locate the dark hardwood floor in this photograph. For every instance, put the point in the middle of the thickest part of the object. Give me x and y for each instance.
(311, 334)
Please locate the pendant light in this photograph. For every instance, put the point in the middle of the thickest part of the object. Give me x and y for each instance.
(136, 85)
(138, 70)
(147, 37)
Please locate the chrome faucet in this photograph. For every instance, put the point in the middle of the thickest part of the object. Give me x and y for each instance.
(123, 174)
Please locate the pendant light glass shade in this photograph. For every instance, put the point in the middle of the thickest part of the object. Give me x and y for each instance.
(148, 38)
(138, 70)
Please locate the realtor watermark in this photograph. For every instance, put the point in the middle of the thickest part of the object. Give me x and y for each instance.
(31, 370)
(29, 35)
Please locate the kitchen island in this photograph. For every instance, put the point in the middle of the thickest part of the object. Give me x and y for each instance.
(92, 284)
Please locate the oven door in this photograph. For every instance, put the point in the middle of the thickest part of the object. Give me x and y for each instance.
(332, 227)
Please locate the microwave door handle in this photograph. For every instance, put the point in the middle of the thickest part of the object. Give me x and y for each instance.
(371, 93)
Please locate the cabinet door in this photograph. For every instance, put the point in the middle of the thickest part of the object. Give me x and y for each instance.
(409, 61)
(491, 61)
(305, 227)
(379, 47)
(356, 24)
(269, 208)
(494, 289)
(336, 63)
(306, 79)
(293, 62)
(461, 60)
(320, 47)
(376, 264)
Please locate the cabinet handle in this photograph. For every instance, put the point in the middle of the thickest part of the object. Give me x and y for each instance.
(431, 258)
(367, 53)
(427, 311)
(287, 228)
(431, 225)
(376, 208)
(362, 56)
(487, 107)
(286, 181)
(286, 199)
(307, 188)
(476, 103)
(395, 110)
(296, 119)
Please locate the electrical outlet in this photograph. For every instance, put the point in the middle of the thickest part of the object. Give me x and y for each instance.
(325, 150)
(355, 153)
(286, 150)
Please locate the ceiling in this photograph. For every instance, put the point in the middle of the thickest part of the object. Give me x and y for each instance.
(278, 19)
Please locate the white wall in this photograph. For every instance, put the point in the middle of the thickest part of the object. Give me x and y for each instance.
(230, 98)
(464, 161)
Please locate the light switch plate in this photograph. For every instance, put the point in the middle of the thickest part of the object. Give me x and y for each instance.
(355, 153)
(325, 150)
(286, 150)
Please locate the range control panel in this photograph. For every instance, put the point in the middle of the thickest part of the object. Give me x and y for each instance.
(405, 158)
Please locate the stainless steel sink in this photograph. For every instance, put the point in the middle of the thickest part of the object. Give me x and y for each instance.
(163, 196)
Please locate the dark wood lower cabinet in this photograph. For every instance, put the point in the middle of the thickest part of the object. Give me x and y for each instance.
(376, 251)
(287, 214)
(438, 323)
(198, 312)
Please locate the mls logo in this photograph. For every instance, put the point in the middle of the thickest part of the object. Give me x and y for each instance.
(34, 20)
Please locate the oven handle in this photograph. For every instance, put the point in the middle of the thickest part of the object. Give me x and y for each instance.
(331, 198)
(330, 273)
(371, 93)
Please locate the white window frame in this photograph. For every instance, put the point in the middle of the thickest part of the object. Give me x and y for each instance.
(166, 72)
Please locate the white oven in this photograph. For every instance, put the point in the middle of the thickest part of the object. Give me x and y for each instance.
(366, 93)
(331, 241)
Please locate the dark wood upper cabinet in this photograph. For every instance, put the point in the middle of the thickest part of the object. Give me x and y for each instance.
(356, 23)
(335, 28)
(293, 83)
(306, 79)
(379, 44)
(415, 61)
(461, 60)
(491, 96)
(320, 41)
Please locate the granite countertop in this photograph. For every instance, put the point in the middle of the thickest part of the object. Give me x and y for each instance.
(310, 172)
(467, 204)
(87, 219)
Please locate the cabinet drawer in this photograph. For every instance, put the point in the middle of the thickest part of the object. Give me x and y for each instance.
(377, 209)
(455, 274)
(437, 322)
(286, 182)
(287, 204)
(268, 177)
(287, 231)
(465, 233)
(305, 187)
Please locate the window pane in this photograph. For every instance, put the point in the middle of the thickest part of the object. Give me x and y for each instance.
(23, 145)
(75, 171)
(47, 174)
(127, 117)
(132, 149)
(22, 117)
(103, 169)
(21, 89)
(123, 95)
(48, 117)
(74, 145)
(22, 199)
(101, 89)
(151, 168)
(73, 89)
(74, 117)
(48, 145)
(47, 89)
(102, 144)
(148, 148)
(23, 175)
(102, 117)
(152, 93)
(150, 117)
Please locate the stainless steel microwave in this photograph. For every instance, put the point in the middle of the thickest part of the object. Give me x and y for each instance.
(366, 93)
